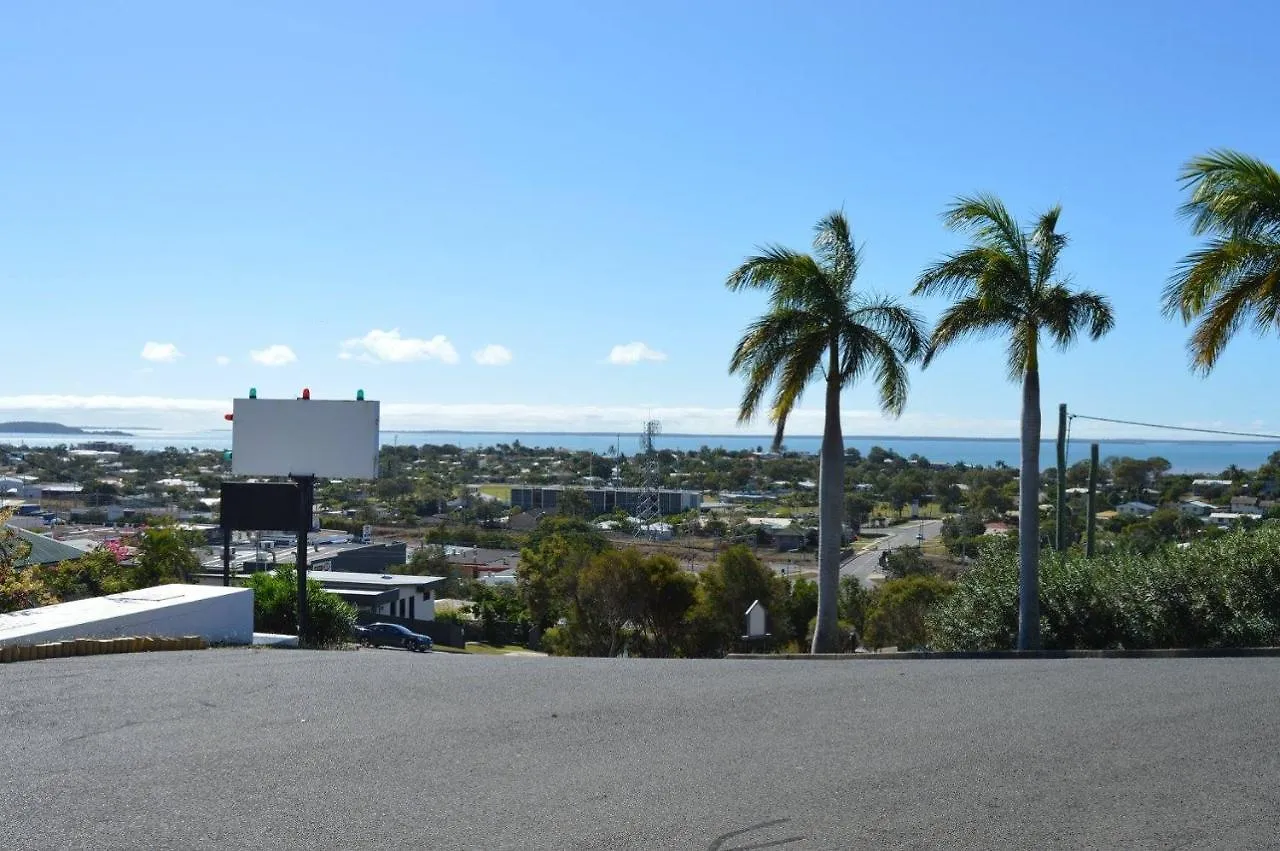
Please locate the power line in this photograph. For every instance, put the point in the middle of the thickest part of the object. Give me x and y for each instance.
(1176, 428)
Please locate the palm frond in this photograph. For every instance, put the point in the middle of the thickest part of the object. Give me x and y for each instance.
(775, 268)
(985, 217)
(1023, 352)
(1256, 294)
(840, 258)
(1216, 266)
(1065, 314)
(1232, 193)
(901, 326)
(863, 350)
(968, 318)
(957, 274)
(1048, 245)
(762, 351)
(802, 361)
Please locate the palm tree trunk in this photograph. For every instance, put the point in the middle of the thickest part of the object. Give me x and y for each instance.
(1029, 514)
(826, 637)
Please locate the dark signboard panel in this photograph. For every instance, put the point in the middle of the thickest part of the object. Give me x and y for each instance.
(251, 506)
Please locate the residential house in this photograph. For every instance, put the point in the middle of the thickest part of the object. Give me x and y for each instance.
(1227, 519)
(1136, 509)
(410, 597)
(1196, 508)
(1246, 505)
(44, 550)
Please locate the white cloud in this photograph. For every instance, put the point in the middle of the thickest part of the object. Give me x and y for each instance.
(274, 355)
(160, 352)
(222, 360)
(390, 347)
(493, 355)
(634, 353)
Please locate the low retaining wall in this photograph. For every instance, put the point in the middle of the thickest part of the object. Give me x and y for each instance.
(98, 646)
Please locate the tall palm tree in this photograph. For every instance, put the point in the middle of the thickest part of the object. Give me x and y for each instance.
(817, 324)
(1235, 276)
(1006, 283)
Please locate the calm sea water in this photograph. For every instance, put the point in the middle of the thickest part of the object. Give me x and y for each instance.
(1186, 456)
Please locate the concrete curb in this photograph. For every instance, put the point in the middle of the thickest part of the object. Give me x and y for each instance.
(1179, 653)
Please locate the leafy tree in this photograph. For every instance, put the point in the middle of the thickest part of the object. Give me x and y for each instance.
(94, 574)
(1007, 282)
(556, 552)
(330, 619)
(802, 605)
(818, 324)
(905, 561)
(20, 587)
(670, 595)
(1235, 276)
(963, 534)
(165, 554)
(611, 595)
(430, 560)
(901, 609)
(574, 503)
(857, 509)
(855, 602)
(726, 588)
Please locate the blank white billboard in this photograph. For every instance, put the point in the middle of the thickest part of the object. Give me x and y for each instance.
(330, 438)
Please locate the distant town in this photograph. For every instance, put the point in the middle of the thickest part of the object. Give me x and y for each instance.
(465, 515)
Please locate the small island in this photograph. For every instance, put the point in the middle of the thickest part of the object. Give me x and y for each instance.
(27, 427)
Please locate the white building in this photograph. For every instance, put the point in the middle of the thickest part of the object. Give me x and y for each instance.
(411, 597)
(1226, 519)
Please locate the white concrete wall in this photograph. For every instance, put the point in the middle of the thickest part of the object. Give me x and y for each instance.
(219, 615)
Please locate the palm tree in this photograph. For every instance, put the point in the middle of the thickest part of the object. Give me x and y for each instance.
(1006, 282)
(817, 324)
(1235, 276)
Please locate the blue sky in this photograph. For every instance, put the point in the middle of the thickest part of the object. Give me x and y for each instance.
(472, 210)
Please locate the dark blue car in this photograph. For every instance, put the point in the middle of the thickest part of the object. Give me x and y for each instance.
(393, 635)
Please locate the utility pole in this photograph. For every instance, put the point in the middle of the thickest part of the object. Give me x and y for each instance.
(1090, 508)
(1060, 538)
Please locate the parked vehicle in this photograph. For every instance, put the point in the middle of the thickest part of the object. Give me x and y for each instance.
(393, 635)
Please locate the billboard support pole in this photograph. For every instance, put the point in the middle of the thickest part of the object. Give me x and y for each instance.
(306, 487)
(226, 555)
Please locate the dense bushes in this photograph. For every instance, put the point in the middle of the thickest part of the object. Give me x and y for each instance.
(1218, 592)
(275, 608)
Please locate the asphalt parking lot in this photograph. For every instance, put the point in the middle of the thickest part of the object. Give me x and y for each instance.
(300, 749)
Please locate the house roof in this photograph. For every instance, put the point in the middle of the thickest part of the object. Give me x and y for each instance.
(370, 580)
(44, 550)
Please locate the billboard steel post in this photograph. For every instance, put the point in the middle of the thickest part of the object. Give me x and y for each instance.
(306, 489)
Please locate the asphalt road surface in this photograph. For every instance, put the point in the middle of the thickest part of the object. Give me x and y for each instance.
(868, 562)
(295, 749)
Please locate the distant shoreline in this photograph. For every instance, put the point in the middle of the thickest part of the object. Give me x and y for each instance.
(45, 429)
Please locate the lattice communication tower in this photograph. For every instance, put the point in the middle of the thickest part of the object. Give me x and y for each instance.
(648, 506)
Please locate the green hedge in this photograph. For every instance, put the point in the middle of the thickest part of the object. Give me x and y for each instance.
(1219, 592)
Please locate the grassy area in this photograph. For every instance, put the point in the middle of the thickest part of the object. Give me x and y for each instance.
(500, 492)
(494, 650)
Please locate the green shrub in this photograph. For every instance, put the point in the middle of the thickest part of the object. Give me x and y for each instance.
(330, 619)
(1222, 591)
(898, 616)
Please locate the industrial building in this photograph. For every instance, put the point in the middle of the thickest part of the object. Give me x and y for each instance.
(603, 500)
